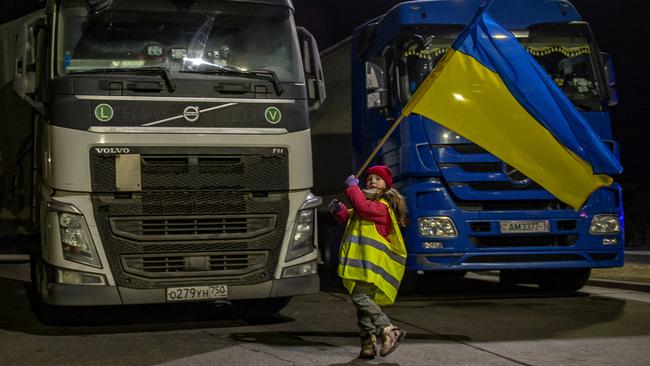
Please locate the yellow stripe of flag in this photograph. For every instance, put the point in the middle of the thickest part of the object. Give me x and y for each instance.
(474, 102)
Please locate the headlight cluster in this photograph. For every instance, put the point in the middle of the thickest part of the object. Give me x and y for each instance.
(302, 239)
(437, 227)
(605, 224)
(76, 241)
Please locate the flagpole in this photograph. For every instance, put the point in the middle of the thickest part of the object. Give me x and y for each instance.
(379, 145)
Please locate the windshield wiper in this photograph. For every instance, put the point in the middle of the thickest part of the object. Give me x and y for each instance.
(263, 74)
(163, 72)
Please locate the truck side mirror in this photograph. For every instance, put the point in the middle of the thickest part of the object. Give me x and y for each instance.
(375, 86)
(610, 78)
(313, 69)
(25, 76)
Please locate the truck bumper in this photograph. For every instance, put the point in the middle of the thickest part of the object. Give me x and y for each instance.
(76, 295)
(494, 260)
(480, 244)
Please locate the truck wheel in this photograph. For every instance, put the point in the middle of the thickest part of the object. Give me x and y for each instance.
(453, 275)
(409, 283)
(329, 251)
(565, 280)
(54, 315)
(45, 313)
(510, 278)
(329, 241)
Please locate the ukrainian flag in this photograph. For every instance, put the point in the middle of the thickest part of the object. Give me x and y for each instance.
(488, 89)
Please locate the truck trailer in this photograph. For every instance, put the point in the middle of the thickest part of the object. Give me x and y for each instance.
(468, 210)
(171, 151)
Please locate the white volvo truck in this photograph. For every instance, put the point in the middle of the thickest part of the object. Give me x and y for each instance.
(172, 151)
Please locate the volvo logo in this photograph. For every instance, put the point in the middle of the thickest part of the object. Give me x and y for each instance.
(514, 175)
(191, 113)
(112, 150)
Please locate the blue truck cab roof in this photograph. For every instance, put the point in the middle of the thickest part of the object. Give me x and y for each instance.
(512, 14)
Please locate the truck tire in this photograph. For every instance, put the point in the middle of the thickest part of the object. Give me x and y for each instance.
(409, 283)
(330, 249)
(511, 277)
(45, 313)
(329, 240)
(564, 280)
(444, 275)
(55, 315)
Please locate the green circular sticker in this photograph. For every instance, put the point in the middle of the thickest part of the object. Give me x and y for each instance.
(272, 115)
(104, 112)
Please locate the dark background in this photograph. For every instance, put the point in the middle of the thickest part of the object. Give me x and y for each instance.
(622, 28)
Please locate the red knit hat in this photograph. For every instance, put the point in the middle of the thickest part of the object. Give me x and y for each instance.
(382, 171)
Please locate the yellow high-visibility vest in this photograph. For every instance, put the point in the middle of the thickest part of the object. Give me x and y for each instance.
(367, 256)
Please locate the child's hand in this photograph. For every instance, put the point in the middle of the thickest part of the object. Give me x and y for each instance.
(352, 181)
(334, 206)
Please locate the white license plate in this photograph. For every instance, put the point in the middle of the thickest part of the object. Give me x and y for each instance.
(532, 226)
(197, 293)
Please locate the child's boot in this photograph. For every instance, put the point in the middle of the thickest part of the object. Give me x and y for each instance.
(390, 338)
(368, 341)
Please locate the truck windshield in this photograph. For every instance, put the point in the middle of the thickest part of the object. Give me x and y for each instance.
(418, 52)
(179, 36)
(561, 49)
(567, 54)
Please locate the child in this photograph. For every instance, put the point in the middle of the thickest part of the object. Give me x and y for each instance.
(372, 255)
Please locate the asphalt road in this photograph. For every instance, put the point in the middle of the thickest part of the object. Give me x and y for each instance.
(470, 321)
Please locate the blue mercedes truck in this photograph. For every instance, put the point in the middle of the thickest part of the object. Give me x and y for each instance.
(468, 210)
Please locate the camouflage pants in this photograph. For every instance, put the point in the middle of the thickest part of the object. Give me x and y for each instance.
(371, 317)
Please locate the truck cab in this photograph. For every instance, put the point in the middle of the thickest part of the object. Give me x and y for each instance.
(172, 156)
(468, 209)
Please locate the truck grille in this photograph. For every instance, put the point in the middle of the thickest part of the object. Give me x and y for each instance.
(198, 169)
(204, 215)
(146, 225)
(524, 241)
(192, 228)
(188, 265)
(478, 181)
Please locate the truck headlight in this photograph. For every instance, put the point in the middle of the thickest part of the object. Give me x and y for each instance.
(605, 224)
(76, 242)
(302, 238)
(437, 227)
